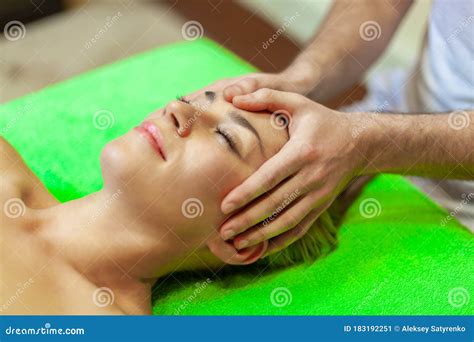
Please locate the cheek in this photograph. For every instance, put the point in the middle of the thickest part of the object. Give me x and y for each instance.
(215, 171)
(123, 158)
(205, 175)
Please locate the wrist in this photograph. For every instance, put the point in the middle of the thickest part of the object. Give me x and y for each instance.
(371, 142)
(387, 139)
(302, 76)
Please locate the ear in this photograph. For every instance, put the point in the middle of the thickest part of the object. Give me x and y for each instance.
(226, 251)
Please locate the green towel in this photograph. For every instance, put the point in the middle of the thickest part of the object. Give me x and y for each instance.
(396, 259)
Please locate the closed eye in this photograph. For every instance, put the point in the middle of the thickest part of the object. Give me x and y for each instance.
(229, 140)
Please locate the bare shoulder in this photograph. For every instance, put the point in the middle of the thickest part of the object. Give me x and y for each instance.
(39, 282)
(17, 180)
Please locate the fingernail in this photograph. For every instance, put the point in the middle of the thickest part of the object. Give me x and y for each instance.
(228, 234)
(227, 207)
(243, 244)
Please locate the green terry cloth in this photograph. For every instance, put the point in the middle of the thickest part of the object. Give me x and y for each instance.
(400, 261)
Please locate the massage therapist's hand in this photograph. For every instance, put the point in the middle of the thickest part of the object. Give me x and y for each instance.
(290, 190)
(287, 80)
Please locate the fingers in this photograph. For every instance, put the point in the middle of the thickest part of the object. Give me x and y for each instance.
(275, 225)
(215, 86)
(265, 207)
(282, 165)
(284, 240)
(271, 100)
(245, 86)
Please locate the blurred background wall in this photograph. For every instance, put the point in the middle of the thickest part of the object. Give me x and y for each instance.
(62, 38)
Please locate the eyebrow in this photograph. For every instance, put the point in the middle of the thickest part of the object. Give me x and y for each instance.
(210, 96)
(239, 119)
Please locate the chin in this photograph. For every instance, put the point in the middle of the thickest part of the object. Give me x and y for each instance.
(116, 161)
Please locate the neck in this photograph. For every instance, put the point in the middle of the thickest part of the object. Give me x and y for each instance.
(113, 245)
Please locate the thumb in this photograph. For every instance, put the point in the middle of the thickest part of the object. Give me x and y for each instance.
(270, 100)
(244, 86)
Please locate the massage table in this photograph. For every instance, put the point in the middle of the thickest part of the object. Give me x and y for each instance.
(397, 252)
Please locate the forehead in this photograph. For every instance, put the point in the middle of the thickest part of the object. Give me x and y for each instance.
(272, 134)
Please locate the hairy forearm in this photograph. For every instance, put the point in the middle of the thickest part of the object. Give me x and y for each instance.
(352, 37)
(433, 145)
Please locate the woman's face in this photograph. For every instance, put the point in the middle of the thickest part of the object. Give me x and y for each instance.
(209, 146)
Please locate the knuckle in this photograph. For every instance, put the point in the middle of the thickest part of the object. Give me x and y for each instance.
(275, 204)
(310, 181)
(308, 152)
(325, 194)
(250, 83)
(259, 235)
(302, 98)
(245, 222)
(288, 222)
(270, 179)
(236, 87)
(300, 230)
(236, 225)
(265, 93)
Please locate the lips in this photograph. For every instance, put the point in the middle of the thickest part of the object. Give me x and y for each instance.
(154, 137)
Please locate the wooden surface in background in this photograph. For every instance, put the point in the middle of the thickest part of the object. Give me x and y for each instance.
(244, 33)
(27, 10)
(50, 53)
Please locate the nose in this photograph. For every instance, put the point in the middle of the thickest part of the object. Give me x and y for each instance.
(182, 115)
